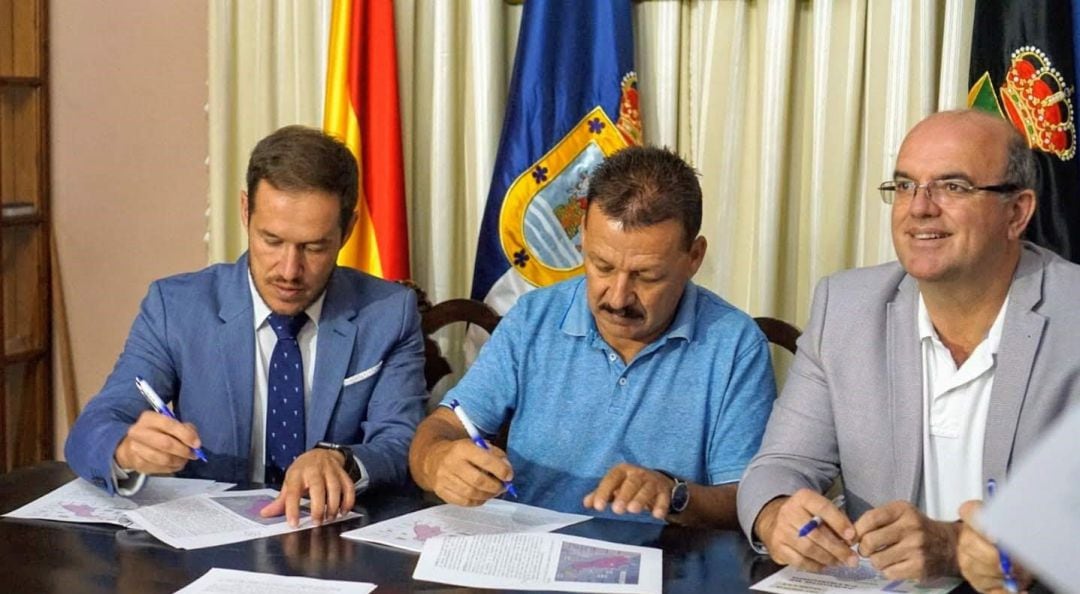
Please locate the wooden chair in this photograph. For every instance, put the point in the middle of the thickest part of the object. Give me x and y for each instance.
(779, 332)
(443, 314)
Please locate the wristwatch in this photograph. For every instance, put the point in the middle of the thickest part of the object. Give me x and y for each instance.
(351, 468)
(680, 494)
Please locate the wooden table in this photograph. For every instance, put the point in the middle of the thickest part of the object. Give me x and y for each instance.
(40, 556)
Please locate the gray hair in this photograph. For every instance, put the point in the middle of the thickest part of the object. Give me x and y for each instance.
(1021, 168)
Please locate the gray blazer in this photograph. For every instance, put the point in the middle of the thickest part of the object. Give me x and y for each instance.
(852, 401)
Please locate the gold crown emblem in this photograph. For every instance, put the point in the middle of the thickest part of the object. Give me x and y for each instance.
(1038, 101)
(629, 122)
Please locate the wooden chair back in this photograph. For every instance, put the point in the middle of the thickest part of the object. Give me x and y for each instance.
(779, 332)
(443, 314)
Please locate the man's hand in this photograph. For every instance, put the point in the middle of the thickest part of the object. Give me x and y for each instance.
(156, 444)
(319, 474)
(632, 489)
(464, 474)
(902, 543)
(979, 560)
(778, 525)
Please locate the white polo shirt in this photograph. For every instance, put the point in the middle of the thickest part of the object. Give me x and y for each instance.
(955, 407)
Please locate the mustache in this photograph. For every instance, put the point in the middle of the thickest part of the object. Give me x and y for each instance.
(288, 284)
(629, 312)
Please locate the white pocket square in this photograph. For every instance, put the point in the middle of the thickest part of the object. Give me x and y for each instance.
(363, 375)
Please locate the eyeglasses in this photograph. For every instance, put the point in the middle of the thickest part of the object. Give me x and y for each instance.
(942, 191)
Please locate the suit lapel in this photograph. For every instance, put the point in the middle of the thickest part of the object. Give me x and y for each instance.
(236, 343)
(905, 389)
(337, 337)
(1019, 342)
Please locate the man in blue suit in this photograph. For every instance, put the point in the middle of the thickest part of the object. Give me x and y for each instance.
(216, 344)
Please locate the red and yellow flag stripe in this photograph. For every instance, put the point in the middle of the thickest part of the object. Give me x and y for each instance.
(362, 109)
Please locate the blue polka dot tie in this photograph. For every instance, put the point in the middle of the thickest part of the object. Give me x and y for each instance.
(284, 398)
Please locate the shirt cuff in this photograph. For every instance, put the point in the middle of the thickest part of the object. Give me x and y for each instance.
(365, 480)
(127, 482)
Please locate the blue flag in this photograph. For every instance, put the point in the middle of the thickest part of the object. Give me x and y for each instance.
(573, 100)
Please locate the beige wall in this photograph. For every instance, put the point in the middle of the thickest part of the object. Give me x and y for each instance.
(129, 180)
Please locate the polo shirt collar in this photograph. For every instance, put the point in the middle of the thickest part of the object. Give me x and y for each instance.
(993, 336)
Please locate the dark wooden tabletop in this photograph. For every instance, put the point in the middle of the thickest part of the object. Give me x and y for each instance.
(40, 556)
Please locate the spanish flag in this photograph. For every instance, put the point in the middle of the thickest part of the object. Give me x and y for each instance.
(362, 110)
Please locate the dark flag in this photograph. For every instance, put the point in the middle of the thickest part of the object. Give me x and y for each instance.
(573, 100)
(1022, 68)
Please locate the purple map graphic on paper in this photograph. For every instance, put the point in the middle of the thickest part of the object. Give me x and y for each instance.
(861, 572)
(422, 532)
(582, 563)
(249, 507)
(81, 510)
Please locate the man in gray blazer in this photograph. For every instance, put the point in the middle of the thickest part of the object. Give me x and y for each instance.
(282, 367)
(921, 379)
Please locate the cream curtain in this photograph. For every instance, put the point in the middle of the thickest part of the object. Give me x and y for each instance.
(267, 70)
(792, 111)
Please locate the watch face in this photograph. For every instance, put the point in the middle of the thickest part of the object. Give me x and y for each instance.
(680, 497)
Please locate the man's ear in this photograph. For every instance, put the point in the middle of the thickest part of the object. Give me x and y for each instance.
(349, 228)
(244, 215)
(1023, 208)
(697, 253)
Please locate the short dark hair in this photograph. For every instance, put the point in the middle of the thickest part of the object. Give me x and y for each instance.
(1021, 167)
(298, 158)
(642, 186)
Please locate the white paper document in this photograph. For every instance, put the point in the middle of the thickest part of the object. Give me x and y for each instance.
(233, 581)
(80, 501)
(1036, 514)
(541, 561)
(211, 520)
(863, 579)
(496, 516)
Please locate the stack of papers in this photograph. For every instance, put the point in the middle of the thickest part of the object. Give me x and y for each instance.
(231, 581)
(80, 501)
(541, 562)
(209, 520)
(863, 579)
(496, 516)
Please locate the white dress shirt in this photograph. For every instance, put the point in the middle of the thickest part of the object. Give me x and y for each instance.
(955, 407)
(265, 340)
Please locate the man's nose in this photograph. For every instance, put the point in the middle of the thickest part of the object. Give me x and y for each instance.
(621, 293)
(292, 263)
(922, 203)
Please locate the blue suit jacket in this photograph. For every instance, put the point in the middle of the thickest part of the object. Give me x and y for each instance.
(194, 341)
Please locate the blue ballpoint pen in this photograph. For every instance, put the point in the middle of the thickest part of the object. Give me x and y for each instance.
(159, 406)
(474, 435)
(815, 521)
(1008, 579)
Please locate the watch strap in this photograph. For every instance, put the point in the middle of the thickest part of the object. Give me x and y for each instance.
(678, 501)
(350, 465)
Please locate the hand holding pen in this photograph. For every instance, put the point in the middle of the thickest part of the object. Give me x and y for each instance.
(476, 438)
(838, 502)
(982, 564)
(1008, 579)
(157, 443)
(160, 407)
(825, 540)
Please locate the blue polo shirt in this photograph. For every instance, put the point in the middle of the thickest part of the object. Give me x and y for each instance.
(693, 403)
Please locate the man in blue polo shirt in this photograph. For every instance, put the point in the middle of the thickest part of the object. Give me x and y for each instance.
(629, 391)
